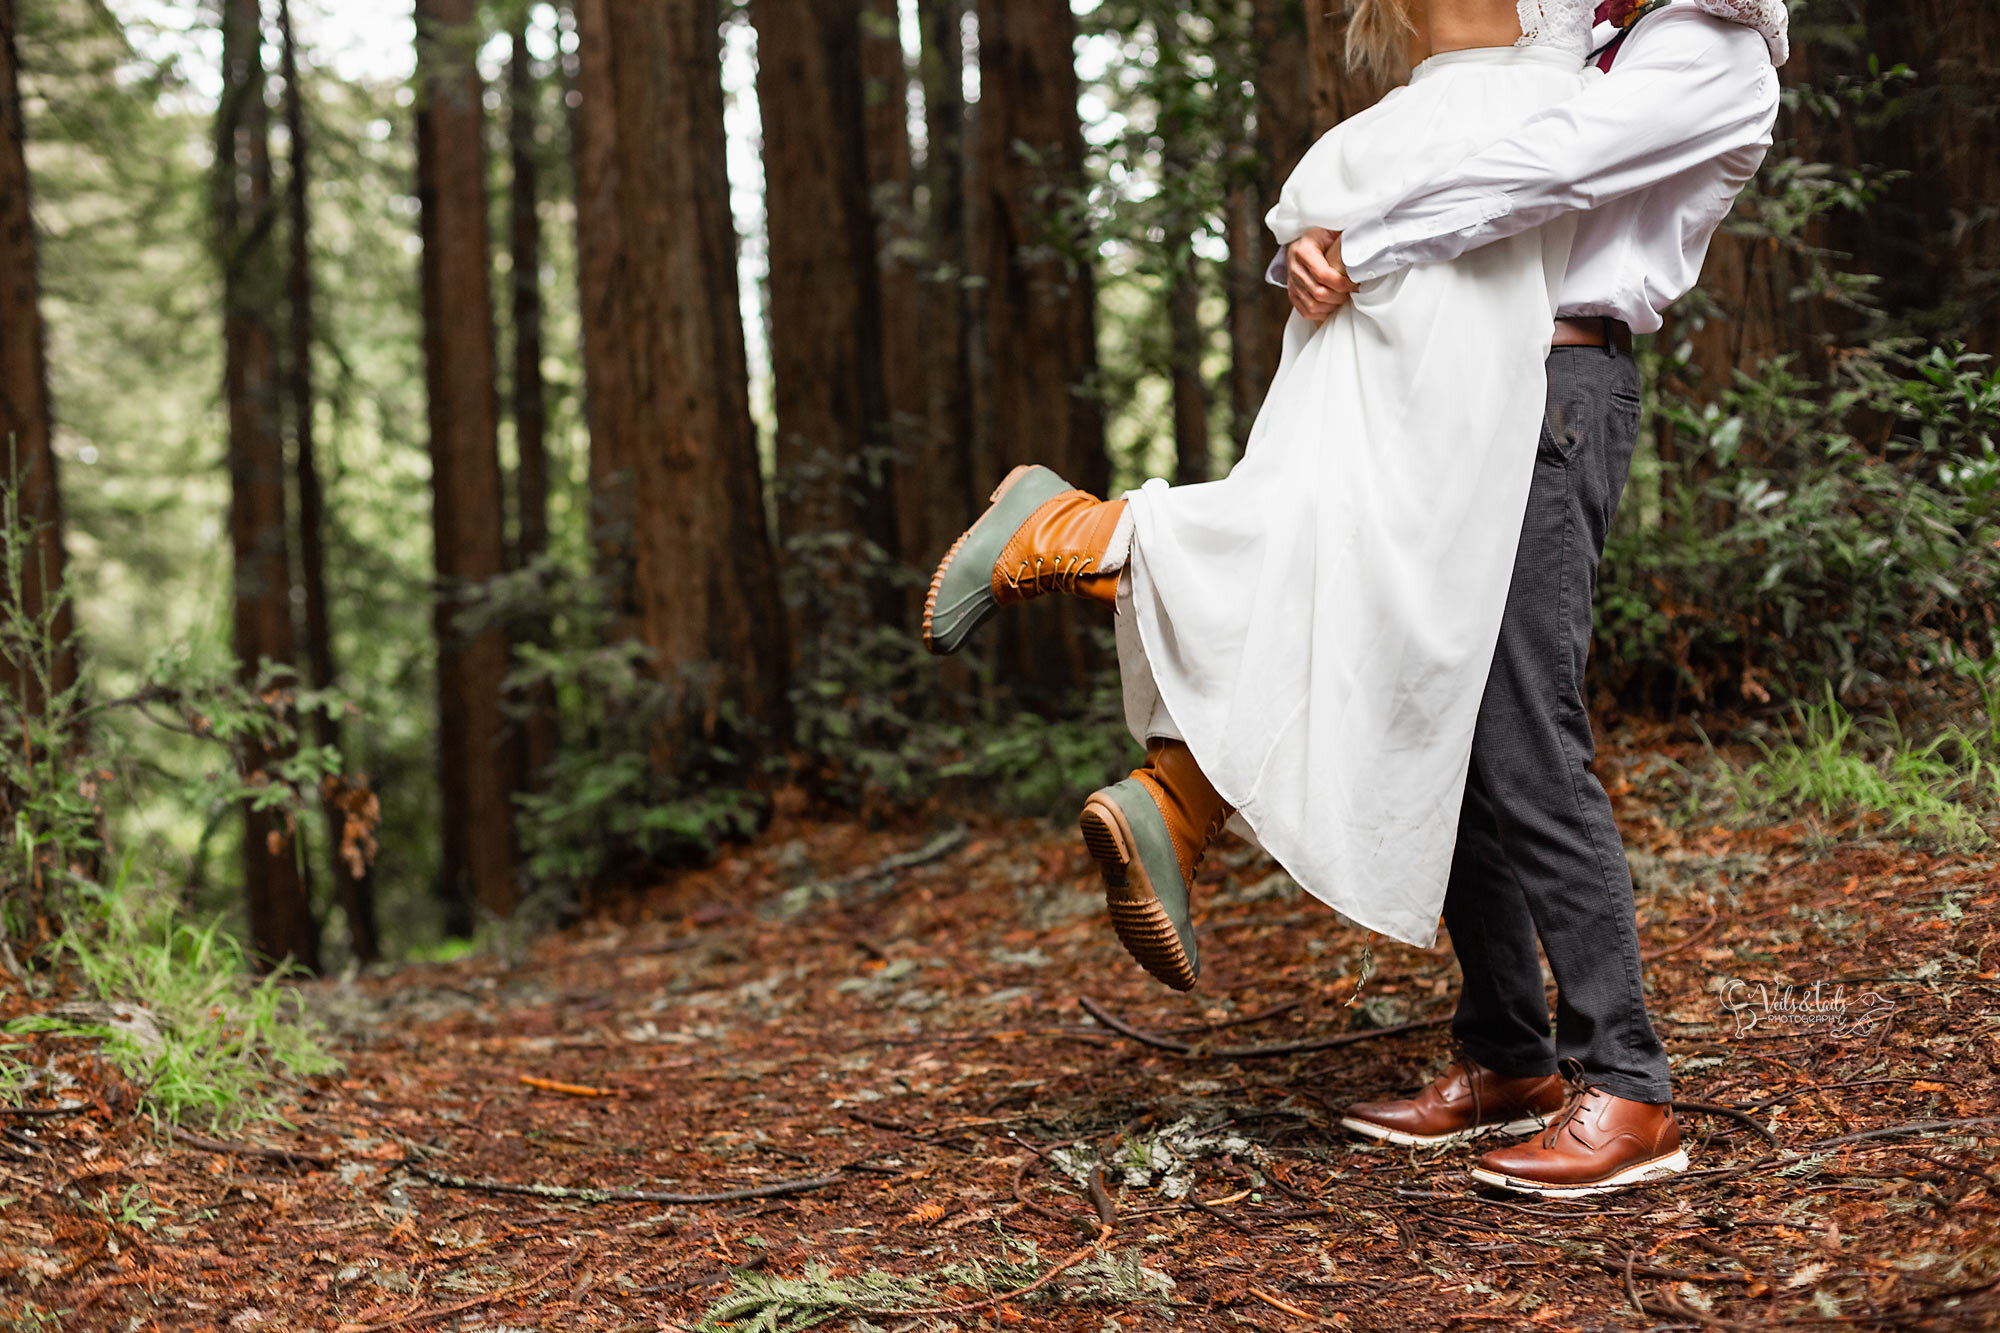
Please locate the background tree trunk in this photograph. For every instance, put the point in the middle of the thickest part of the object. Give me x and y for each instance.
(1337, 92)
(1185, 340)
(900, 252)
(468, 516)
(1039, 319)
(664, 363)
(26, 450)
(531, 476)
(826, 315)
(1284, 81)
(275, 892)
(355, 893)
(935, 514)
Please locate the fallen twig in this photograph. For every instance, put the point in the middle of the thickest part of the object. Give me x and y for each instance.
(1918, 1127)
(1740, 1117)
(1100, 1199)
(567, 1089)
(1159, 1043)
(282, 1156)
(1035, 1286)
(425, 1317)
(1649, 955)
(593, 1195)
(943, 845)
(1288, 1308)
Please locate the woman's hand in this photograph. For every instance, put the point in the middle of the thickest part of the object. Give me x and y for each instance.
(1316, 280)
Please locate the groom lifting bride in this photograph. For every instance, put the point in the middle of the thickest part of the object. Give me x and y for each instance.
(1364, 648)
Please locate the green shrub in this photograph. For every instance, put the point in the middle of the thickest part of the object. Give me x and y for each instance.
(1774, 550)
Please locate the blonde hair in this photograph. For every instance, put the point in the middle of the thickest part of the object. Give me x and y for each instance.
(1376, 33)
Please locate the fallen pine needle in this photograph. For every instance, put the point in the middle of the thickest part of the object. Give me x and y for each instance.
(1277, 1304)
(425, 1317)
(1004, 1296)
(588, 1195)
(567, 1089)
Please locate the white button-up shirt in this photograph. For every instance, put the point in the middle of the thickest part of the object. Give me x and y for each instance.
(1651, 154)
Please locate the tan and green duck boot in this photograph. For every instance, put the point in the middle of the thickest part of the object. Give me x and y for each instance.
(1038, 535)
(1147, 835)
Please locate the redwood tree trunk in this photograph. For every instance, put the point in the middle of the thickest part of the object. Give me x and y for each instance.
(1337, 92)
(1185, 343)
(468, 517)
(279, 904)
(933, 519)
(25, 425)
(1257, 310)
(531, 476)
(900, 253)
(826, 313)
(355, 892)
(664, 362)
(1039, 319)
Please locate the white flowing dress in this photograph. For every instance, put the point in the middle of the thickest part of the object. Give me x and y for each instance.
(1319, 625)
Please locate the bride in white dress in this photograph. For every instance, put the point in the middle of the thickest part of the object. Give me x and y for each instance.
(1304, 643)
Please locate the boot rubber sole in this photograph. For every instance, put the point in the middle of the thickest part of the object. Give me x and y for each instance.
(1142, 923)
(937, 579)
(1672, 1164)
(1403, 1138)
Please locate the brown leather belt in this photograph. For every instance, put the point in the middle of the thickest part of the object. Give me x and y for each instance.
(1594, 332)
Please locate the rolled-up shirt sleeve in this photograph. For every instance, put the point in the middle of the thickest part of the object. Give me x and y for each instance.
(1688, 91)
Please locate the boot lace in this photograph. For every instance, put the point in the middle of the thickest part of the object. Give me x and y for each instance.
(1052, 573)
(1579, 1093)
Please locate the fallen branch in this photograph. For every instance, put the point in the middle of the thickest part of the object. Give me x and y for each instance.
(1650, 955)
(567, 1089)
(1159, 1043)
(1004, 1297)
(593, 1195)
(1740, 1117)
(935, 850)
(506, 1293)
(282, 1156)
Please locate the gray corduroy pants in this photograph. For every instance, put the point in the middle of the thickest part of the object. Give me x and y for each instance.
(1539, 856)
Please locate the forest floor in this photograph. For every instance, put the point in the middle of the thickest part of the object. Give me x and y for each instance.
(881, 1034)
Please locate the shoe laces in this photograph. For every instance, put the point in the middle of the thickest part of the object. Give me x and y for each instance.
(1052, 573)
(1579, 1093)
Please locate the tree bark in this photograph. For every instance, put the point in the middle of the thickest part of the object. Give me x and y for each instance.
(1283, 77)
(468, 519)
(354, 892)
(900, 253)
(664, 364)
(276, 895)
(935, 507)
(1337, 91)
(26, 430)
(1039, 319)
(1186, 341)
(531, 476)
(826, 316)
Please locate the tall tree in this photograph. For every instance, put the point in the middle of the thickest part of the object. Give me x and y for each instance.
(665, 369)
(935, 515)
(26, 451)
(900, 254)
(1181, 101)
(468, 517)
(1281, 72)
(826, 310)
(354, 890)
(1038, 321)
(279, 903)
(531, 475)
(1337, 91)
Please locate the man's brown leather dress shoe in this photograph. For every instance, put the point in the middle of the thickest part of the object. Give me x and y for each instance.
(1597, 1143)
(1464, 1102)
